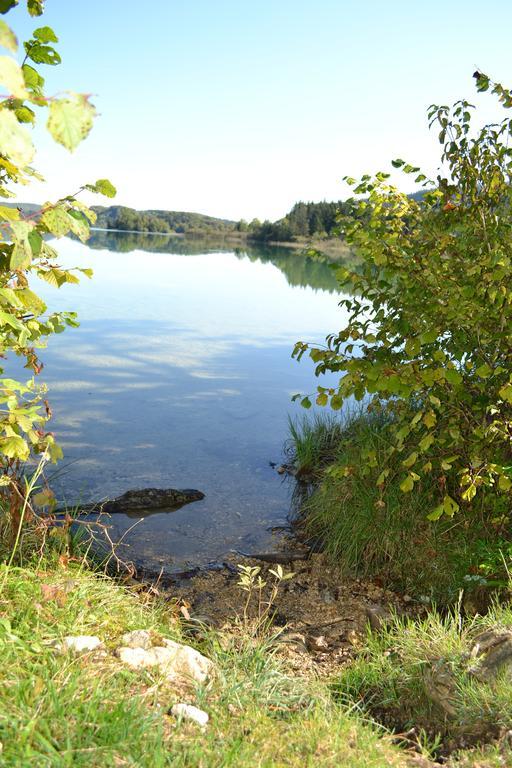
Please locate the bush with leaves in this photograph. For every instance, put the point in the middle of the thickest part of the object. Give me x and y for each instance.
(25, 250)
(429, 330)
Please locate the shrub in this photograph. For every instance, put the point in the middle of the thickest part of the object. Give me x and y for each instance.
(429, 334)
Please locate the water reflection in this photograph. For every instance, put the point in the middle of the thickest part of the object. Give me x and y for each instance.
(301, 270)
(180, 376)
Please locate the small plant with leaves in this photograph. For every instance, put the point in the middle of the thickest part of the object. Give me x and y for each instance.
(429, 332)
(25, 251)
(253, 584)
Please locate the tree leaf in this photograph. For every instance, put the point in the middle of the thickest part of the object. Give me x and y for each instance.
(70, 120)
(14, 447)
(8, 38)
(6, 5)
(11, 76)
(45, 35)
(21, 256)
(103, 187)
(407, 485)
(56, 220)
(14, 140)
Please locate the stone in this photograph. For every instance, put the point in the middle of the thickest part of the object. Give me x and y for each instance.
(440, 687)
(316, 644)
(174, 660)
(80, 643)
(138, 638)
(189, 712)
(492, 652)
(377, 617)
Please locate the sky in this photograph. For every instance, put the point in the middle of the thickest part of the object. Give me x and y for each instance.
(239, 109)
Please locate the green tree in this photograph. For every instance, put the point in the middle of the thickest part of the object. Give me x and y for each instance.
(25, 251)
(429, 334)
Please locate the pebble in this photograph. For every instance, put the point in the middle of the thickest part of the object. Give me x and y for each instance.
(80, 643)
(189, 712)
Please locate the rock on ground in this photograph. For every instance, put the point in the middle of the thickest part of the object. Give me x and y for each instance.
(139, 638)
(174, 659)
(189, 712)
(80, 643)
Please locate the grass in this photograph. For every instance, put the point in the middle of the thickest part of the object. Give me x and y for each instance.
(418, 674)
(63, 710)
(368, 530)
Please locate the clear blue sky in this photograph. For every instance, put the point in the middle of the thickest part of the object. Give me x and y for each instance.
(239, 109)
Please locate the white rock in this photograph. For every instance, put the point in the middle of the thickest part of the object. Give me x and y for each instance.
(189, 712)
(80, 643)
(188, 662)
(139, 638)
(174, 660)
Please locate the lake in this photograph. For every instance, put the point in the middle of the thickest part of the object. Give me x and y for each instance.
(180, 375)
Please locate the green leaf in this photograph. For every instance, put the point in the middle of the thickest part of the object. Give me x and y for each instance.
(426, 442)
(41, 54)
(6, 5)
(56, 221)
(45, 35)
(14, 140)
(103, 187)
(8, 38)
(70, 120)
(506, 393)
(25, 115)
(31, 301)
(407, 485)
(410, 460)
(33, 79)
(21, 256)
(484, 371)
(306, 402)
(382, 477)
(14, 447)
(504, 483)
(36, 242)
(452, 376)
(436, 513)
(450, 506)
(11, 76)
(35, 7)
(9, 214)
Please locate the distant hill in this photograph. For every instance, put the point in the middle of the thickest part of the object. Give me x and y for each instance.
(129, 219)
(303, 222)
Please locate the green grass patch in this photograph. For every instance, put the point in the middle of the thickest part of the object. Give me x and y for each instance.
(421, 675)
(60, 710)
(379, 531)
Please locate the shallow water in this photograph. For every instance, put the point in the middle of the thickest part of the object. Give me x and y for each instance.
(180, 375)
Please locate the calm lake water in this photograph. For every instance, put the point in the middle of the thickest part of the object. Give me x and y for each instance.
(180, 375)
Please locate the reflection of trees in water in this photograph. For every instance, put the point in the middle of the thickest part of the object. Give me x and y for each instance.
(299, 269)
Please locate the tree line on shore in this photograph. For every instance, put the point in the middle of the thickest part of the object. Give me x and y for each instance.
(304, 220)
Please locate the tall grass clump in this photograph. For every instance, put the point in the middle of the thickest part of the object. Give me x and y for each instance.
(369, 528)
(424, 675)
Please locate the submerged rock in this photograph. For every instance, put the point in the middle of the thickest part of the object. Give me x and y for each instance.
(189, 712)
(145, 501)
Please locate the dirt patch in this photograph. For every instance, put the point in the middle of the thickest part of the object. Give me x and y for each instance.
(321, 618)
